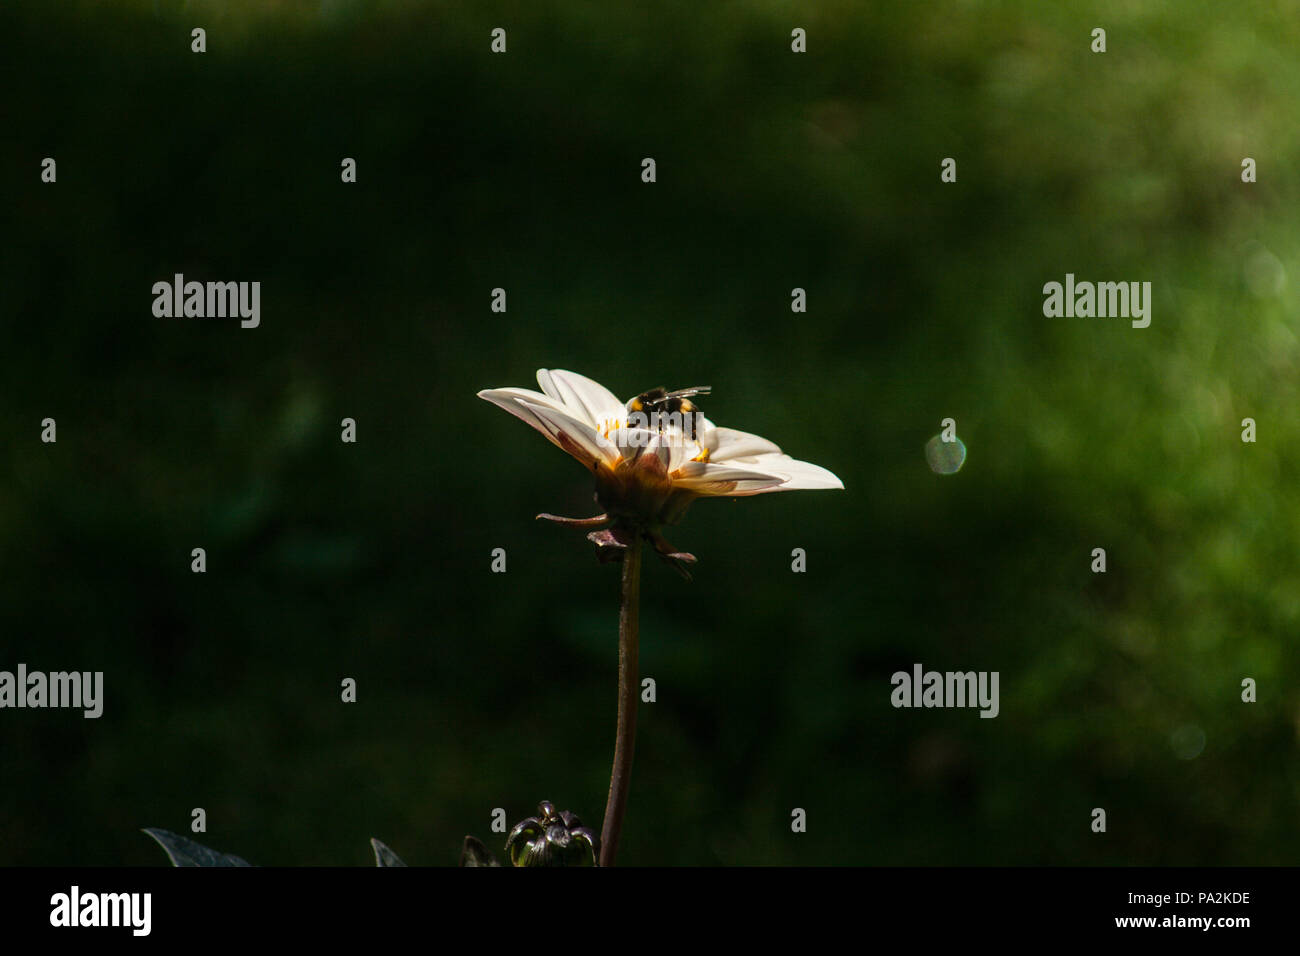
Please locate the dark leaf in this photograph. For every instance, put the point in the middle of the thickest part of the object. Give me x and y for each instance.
(476, 854)
(185, 852)
(385, 856)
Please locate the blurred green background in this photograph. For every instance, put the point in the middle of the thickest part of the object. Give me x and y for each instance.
(775, 170)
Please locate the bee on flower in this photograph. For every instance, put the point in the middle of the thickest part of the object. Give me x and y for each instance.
(653, 455)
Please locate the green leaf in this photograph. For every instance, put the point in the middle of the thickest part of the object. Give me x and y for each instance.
(385, 856)
(185, 852)
(476, 854)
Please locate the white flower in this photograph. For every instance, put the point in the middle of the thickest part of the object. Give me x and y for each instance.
(652, 474)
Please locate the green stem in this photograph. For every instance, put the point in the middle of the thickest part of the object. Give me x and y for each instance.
(628, 692)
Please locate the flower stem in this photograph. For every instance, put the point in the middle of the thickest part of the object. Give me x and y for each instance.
(628, 689)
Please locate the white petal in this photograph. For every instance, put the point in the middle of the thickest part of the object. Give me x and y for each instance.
(799, 475)
(678, 449)
(737, 444)
(631, 442)
(506, 396)
(563, 430)
(583, 396)
(705, 478)
(657, 448)
(706, 433)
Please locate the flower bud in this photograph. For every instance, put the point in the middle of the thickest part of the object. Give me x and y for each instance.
(552, 838)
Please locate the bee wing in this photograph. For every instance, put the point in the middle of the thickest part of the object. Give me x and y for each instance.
(688, 392)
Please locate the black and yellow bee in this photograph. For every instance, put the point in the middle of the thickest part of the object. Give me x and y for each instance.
(661, 402)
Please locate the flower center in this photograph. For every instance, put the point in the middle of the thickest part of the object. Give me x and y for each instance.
(670, 433)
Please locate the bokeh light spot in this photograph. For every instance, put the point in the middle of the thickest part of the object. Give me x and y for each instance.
(1187, 741)
(945, 457)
